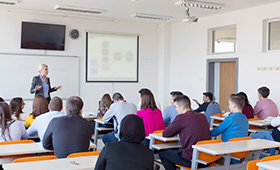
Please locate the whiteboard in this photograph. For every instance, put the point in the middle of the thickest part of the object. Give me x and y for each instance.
(18, 70)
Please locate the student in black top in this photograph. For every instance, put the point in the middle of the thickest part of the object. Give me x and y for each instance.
(207, 98)
(68, 134)
(129, 153)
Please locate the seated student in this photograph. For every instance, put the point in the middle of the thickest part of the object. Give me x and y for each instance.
(276, 132)
(41, 123)
(127, 154)
(17, 105)
(207, 98)
(151, 115)
(170, 112)
(69, 134)
(265, 107)
(139, 103)
(40, 106)
(191, 127)
(247, 110)
(118, 110)
(235, 124)
(10, 129)
(104, 105)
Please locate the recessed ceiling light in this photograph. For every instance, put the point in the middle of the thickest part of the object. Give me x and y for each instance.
(137, 0)
(78, 9)
(151, 16)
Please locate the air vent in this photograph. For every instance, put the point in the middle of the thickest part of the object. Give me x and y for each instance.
(151, 17)
(8, 2)
(78, 9)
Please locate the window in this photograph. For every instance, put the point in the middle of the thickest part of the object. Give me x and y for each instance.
(274, 35)
(223, 40)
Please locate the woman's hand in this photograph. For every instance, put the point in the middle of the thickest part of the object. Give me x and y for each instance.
(58, 87)
(37, 87)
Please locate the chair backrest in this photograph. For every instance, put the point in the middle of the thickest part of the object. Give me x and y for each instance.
(159, 141)
(220, 115)
(252, 165)
(270, 158)
(16, 142)
(79, 154)
(205, 156)
(35, 158)
(212, 108)
(240, 154)
(252, 126)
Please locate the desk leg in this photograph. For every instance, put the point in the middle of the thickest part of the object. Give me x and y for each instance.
(194, 159)
(95, 135)
(227, 161)
(152, 141)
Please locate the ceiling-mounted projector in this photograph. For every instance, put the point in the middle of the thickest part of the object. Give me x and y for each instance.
(190, 19)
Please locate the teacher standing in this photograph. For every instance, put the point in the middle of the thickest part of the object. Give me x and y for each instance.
(41, 84)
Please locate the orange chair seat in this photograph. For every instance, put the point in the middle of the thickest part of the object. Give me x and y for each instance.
(35, 158)
(79, 154)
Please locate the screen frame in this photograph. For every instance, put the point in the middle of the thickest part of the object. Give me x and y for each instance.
(112, 81)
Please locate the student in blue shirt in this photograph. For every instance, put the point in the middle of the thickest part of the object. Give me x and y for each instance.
(236, 124)
(170, 112)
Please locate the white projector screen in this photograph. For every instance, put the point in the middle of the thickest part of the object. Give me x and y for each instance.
(111, 57)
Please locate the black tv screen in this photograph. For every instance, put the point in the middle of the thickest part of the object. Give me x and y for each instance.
(42, 36)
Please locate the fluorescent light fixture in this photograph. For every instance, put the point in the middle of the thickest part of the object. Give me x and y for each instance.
(200, 4)
(78, 9)
(151, 16)
(8, 2)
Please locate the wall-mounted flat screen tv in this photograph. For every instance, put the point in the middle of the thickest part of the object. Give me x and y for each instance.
(42, 36)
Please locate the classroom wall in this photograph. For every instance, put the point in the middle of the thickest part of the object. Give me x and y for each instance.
(91, 93)
(189, 53)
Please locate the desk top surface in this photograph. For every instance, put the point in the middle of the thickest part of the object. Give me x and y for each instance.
(160, 137)
(236, 146)
(26, 148)
(255, 123)
(77, 163)
(275, 164)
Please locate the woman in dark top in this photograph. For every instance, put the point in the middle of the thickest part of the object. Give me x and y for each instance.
(127, 154)
(247, 110)
(41, 84)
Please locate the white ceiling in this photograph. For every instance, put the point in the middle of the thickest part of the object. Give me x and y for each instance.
(122, 9)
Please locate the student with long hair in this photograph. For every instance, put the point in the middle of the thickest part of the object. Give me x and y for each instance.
(40, 106)
(151, 115)
(10, 129)
(104, 105)
(17, 104)
(247, 109)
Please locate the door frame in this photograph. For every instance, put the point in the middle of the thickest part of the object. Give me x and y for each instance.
(210, 72)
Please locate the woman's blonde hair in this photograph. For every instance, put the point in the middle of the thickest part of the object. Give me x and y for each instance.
(41, 67)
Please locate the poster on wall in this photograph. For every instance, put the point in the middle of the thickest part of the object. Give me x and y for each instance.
(112, 57)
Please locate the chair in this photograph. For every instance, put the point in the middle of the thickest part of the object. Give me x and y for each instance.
(159, 141)
(218, 121)
(240, 155)
(205, 157)
(35, 158)
(79, 154)
(16, 142)
(252, 165)
(270, 158)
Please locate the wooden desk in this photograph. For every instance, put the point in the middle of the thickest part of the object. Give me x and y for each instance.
(99, 129)
(77, 163)
(159, 136)
(269, 165)
(226, 148)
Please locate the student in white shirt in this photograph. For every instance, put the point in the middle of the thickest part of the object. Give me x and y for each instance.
(41, 123)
